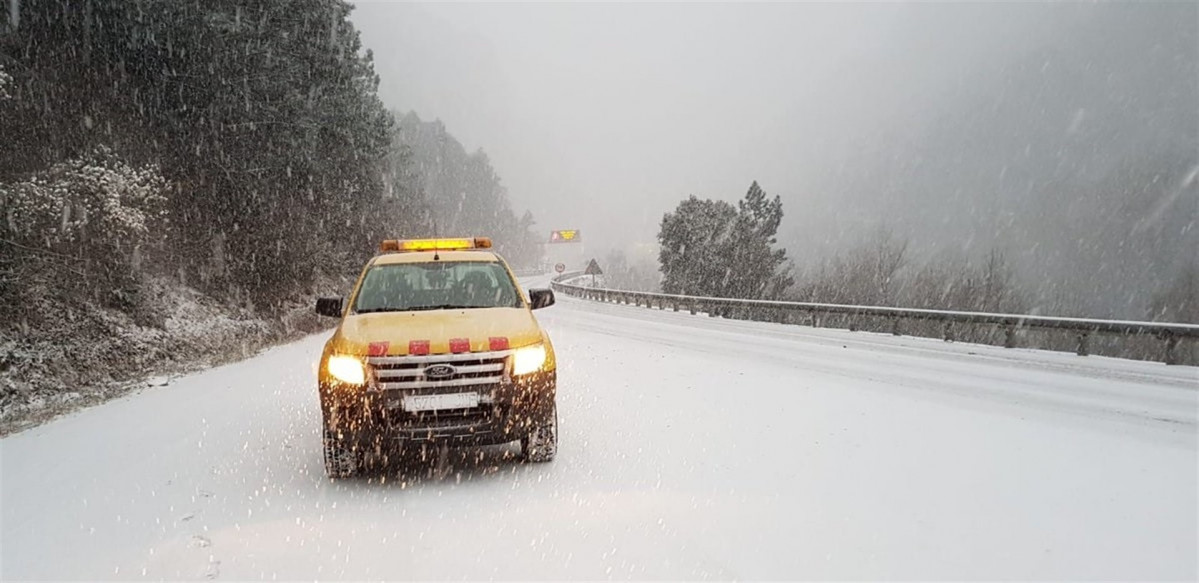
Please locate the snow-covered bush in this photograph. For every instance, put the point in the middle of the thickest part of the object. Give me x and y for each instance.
(94, 200)
(5, 83)
(83, 222)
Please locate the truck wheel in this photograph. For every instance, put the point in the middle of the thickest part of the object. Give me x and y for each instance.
(341, 459)
(541, 443)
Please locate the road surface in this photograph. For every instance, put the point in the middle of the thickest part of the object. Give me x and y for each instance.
(691, 447)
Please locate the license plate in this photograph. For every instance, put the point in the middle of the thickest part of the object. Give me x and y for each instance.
(416, 403)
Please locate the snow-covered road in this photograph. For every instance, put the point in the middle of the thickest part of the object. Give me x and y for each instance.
(691, 447)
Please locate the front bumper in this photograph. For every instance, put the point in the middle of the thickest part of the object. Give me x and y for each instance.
(509, 410)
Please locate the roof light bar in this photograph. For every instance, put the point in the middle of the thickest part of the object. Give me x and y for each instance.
(397, 245)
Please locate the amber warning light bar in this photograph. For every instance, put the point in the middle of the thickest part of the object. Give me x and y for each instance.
(397, 245)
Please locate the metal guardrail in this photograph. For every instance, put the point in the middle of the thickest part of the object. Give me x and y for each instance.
(1171, 334)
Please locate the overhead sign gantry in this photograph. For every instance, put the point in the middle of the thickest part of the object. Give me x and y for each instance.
(566, 236)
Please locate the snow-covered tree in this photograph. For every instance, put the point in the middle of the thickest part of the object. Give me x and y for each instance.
(710, 247)
(461, 193)
(691, 239)
(87, 218)
(265, 116)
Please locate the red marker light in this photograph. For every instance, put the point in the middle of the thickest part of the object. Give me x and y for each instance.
(459, 345)
(418, 347)
(498, 343)
(378, 349)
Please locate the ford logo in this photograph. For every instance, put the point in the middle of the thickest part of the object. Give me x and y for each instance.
(439, 371)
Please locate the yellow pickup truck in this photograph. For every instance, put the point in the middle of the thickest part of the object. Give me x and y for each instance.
(437, 345)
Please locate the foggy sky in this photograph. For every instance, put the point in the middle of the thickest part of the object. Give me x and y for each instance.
(593, 113)
(603, 116)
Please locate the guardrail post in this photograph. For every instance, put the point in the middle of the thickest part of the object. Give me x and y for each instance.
(895, 331)
(1171, 349)
(947, 331)
(691, 307)
(1083, 344)
(1009, 338)
(675, 304)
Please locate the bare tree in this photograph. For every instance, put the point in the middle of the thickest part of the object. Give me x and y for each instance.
(889, 256)
(867, 275)
(1178, 302)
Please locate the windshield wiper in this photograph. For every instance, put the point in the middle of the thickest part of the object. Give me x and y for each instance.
(442, 307)
(422, 308)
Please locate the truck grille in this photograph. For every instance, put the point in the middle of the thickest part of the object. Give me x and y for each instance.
(400, 376)
(412, 372)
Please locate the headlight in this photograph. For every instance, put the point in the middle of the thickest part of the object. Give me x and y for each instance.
(346, 369)
(528, 359)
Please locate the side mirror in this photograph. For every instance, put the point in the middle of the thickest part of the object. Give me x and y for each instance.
(541, 298)
(329, 307)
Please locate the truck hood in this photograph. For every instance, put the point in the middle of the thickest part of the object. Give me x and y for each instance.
(363, 334)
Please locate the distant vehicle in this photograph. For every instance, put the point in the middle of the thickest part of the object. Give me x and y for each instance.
(437, 345)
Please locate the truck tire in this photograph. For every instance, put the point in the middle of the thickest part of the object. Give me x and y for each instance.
(341, 457)
(540, 444)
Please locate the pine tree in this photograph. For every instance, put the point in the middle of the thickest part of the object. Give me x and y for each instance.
(711, 248)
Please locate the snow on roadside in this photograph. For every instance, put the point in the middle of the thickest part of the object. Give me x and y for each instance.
(101, 353)
(691, 448)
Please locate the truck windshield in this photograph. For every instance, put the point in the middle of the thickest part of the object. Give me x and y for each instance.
(436, 285)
